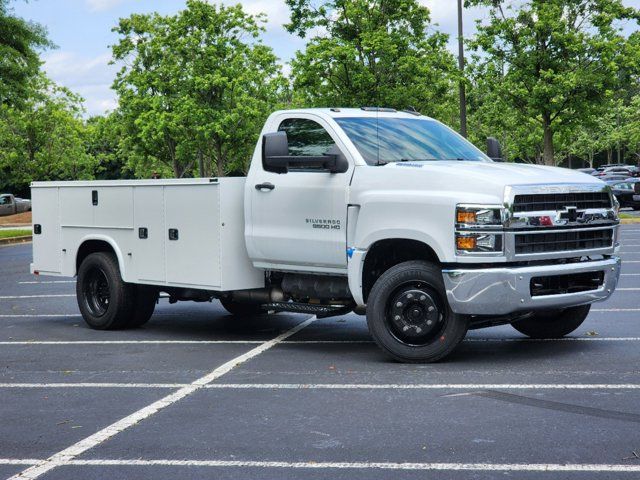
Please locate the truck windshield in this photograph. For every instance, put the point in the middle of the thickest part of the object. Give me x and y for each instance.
(384, 140)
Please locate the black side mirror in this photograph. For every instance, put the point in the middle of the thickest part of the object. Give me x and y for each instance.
(275, 146)
(276, 158)
(494, 150)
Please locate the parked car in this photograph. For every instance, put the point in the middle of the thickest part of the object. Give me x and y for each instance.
(588, 171)
(625, 192)
(626, 170)
(614, 177)
(10, 205)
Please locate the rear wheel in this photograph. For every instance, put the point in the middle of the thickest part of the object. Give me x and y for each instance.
(409, 317)
(105, 300)
(241, 309)
(553, 324)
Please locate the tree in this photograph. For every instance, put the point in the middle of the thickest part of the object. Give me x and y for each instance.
(103, 135)
(19, 59)
(44, 139)
(195, 87)
(559, 59)
(374, 52)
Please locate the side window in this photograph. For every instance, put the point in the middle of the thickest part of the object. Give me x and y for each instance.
(306, 137)
(4, 201)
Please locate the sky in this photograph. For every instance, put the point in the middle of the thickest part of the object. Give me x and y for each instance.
(81, 29)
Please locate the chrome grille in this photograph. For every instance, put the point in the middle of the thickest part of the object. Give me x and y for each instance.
(560, 201)
(559, 241)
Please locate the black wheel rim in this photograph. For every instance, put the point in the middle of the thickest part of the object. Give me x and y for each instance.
(96, 292)
(415, 314)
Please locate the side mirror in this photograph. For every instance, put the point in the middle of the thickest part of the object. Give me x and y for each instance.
(276, 158)
(494, 150)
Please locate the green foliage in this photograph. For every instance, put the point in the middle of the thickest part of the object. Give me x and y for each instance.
(19, 60)
(372, 52)
(195, 88)
(556, 62)
(43, 139)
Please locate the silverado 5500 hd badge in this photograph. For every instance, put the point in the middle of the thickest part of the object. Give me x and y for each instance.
(325, 223)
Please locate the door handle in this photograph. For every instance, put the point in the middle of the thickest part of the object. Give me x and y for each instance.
(265, 186)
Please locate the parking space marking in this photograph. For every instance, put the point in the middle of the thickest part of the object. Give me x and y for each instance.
(45, 282)
(39, 315)
(313, 465)
(18, 461)
(630, 274)
(297, 342)
(426, 386)
(106, 433)
(474, 387)
(519, 467)
(627, 289)
(130, 342)
(601, 310)
(93, 385)
(15, 297)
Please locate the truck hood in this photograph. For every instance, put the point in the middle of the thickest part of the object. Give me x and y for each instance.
(499, 174)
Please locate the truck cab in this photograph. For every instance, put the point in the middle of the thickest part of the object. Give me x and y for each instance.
(386, 213)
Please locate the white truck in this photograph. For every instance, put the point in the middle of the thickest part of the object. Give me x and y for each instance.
(386, 213)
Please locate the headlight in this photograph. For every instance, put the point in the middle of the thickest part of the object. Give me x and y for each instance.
(478, 216)
(478, 242)
(479, 229)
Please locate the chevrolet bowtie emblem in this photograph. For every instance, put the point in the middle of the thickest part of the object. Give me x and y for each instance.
(570, 214)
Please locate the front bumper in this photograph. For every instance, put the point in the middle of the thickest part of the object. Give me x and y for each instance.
(502, 291)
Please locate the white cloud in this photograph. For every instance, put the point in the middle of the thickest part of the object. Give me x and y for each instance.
(90, 77)
(102, 5)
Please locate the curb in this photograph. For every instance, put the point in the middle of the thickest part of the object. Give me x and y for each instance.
(11, 240)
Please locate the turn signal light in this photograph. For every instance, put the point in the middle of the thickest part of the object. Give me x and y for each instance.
(466, 243)
(465, 216)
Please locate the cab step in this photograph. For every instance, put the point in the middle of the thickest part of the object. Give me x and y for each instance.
(320, 311)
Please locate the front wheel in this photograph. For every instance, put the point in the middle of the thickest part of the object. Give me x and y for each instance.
(409, 317)
(553, 323)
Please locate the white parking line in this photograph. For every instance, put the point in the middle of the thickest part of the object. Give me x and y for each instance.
(18, 461)
(313, 465)
(13, 297)
(93, 385)
(46, 281)
(297, 342)
(519, 467)
(101, 436)
(131, 342)
(39, 315)
(630, 274)
(627, 289)
(601, 310)
(341, 386)
(425, 386)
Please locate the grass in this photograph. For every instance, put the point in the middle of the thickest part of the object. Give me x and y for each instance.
(14, 233)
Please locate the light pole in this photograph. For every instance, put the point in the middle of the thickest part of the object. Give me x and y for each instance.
(463, 96)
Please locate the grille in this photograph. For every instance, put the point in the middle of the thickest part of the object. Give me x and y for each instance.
(559, 201)
(563, 241)
(561, 284)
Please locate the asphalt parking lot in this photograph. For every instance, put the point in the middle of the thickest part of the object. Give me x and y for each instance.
(199, 394)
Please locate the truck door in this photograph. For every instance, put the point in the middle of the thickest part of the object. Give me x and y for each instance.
(298, 219)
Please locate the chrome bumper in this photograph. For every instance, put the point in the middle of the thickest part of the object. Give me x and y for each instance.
(502, 291)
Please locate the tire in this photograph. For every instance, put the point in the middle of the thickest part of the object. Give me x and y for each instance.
(143, 305)
(409, 317)
(105, 300)
(553, 324)
(241, 309)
